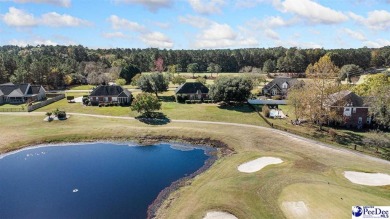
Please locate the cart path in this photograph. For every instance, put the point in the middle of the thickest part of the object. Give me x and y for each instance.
(287, 134)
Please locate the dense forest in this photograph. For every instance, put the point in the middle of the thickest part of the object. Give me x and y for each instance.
(57, 66)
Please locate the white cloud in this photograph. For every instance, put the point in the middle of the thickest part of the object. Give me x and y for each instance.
(156, 40)
(164, 25)
(376, 20)
(207, 7)
(223, 36)
(272, 22)
(195, 21)
(295, 43)
(54, 19)
(355, 34)
(62, 3)
(115, 35)
(121, 23)
(271, 34)
(312, 11)
(378, 43)
(19, 18)
(34, 42)
(152, 5)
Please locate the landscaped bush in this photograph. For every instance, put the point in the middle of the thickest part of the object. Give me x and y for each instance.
(181, 99)
(70, 98)
(265, 110)
(61, 115)
(100, 105)
(188, 101)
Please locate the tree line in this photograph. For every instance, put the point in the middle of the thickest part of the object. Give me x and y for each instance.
(58, 66)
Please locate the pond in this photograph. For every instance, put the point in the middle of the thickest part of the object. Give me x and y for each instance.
(91, 180)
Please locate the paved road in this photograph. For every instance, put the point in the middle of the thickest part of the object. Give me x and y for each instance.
(287, 134)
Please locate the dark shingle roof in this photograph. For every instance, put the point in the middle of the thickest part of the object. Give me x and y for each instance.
(280, 81)
(107, 90)
(345, 98)
(35, 89)
(7, 89)
(125, 93)
(191, 88)
(23, 87)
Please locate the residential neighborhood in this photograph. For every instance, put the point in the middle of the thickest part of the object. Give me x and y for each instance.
(163, 109)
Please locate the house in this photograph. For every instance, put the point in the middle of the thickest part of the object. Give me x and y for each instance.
(110, 94)
(351, 107)
(280, 86)
(191, 91)
(21, 93)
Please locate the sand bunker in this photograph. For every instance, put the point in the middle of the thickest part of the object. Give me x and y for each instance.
(295, 209)
(368, 179)
(219, 215)
(258, 164)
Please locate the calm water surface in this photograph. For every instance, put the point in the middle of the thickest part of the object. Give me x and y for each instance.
(99, 180)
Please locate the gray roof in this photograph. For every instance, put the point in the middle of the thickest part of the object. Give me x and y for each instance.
(35, 89)
(125, 93)
(16, 93)
(280, 81)
(191, 88)
(345, 98)
(109, 90)
(9, 87)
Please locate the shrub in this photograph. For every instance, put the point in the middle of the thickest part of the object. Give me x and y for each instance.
(188, 101)
(332, 133)
(277, 97)
(100, 105)
(61, 115)
(265, 110)
(70, 98)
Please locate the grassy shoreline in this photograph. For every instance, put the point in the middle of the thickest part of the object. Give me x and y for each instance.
(305, 165)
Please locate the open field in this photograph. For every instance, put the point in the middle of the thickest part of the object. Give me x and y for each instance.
(311, 173)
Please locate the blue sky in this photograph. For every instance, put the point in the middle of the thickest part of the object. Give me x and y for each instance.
(196, 24)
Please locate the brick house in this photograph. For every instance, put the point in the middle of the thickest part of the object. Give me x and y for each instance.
(351, 107)
(191, 91)
(110, 94)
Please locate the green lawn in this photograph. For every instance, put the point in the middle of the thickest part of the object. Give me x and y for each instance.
(83, 87)
(13, 105)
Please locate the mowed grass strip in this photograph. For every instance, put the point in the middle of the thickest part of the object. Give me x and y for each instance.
(204, 112)
(303, 176)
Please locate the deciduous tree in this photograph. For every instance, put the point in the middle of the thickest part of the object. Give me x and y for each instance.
(231, 89)
(153, 83)
(145, 103)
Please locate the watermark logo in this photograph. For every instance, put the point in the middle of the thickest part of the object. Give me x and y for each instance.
(357, 211)
(370, 212)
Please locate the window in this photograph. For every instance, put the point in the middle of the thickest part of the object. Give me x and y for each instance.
(285, 85)
(354, 110)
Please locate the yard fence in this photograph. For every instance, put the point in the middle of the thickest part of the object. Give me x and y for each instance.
(12, 110)
(46, 102)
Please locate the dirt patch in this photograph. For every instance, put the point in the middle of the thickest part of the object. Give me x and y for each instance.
(368, 179)
(310, 165)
